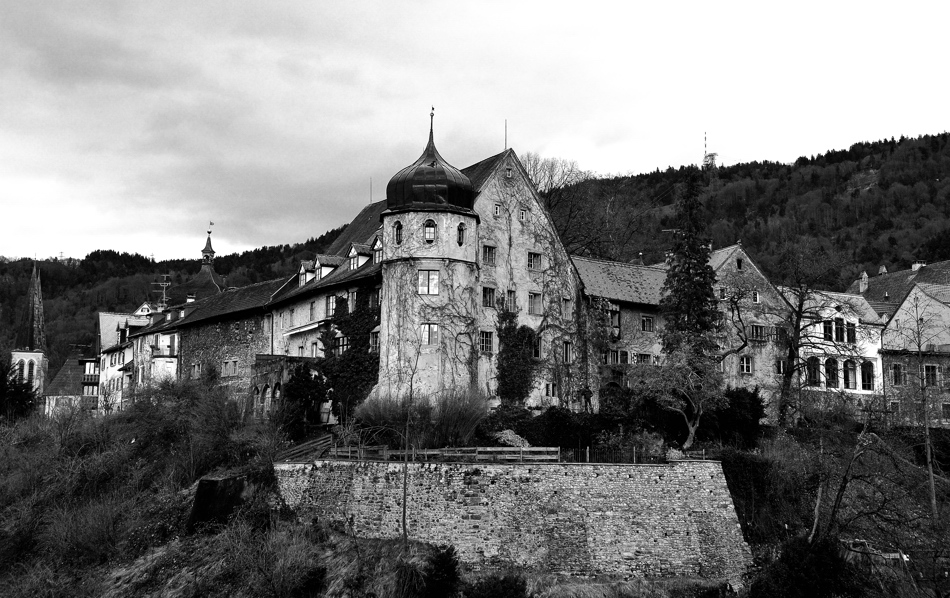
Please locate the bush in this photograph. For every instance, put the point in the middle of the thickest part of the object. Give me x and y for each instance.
(808, 571)
(442, 578)
(449, 419)
(86, 533)
(738, 423)
(509, 585)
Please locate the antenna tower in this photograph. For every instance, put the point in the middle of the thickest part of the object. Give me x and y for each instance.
(164, 284)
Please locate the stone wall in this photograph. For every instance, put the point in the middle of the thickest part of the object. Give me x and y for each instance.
(640, 520)
(214, 343)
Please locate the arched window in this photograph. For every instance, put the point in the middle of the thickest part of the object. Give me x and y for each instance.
(831, 373)
(30, 372)
(850, 375)
(461, 238)
(813, 371)
(21, 371)
(397, 232)
(428, 231)
(867, 375)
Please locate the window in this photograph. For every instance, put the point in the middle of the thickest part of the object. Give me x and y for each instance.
(314, 348)
(867, 376)
(624, 357)
(850, 372)
(930, 375)
(351, 300)
(378, 255)
(497, 209)
(488, 255)
(945, 411)
(196, 370)
(755, 297)
(534, 303)
(511, 301)
(827, 330)
(488, 297)
(300, 351)
(722, 293)
(656, 360)
(898, 376)
(461, 234)
(374, 299)
(301, 279)
(522, 214)
(644, 358)
(839, 330)
(831, 373)
(812, 371)
(21, 365)
(536, 349)
(646, 323)
(330, 305)
(30, 372)
(566, 307)
(486, 341)
(852, 333)
(550, 389)
(895, 407)
(354, 262)
(374, 342)
(430, 334)
(781, 366)
(739, 264)
(759, 332)
(534, 261)
(291, 318)
(342, 345)
(428, 231)
(428, 282)
(567, 352)
(745, 364)
(313, 310)
(397, 232)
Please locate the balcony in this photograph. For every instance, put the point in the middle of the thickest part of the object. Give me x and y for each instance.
(90, 379)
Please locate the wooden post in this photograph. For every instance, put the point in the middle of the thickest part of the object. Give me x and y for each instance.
(587, 454)
(476, 454)
(521, 453)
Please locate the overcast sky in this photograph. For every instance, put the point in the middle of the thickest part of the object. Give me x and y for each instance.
(131, 125)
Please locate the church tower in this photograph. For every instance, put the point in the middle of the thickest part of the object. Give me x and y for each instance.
(29, 354)
(428, 331)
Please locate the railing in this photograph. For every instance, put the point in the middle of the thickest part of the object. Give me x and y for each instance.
(464, 454)
(609, 455)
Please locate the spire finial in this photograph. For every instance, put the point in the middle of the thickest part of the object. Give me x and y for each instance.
(431, 121)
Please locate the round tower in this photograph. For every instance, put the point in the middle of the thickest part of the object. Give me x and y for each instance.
(429, 236)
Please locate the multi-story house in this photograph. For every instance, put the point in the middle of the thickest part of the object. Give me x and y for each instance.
(916, 357)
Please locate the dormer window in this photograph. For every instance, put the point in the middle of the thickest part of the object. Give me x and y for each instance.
(378, 255)
(461, 235)
(354, 262)
(397, 232)
(428, 231)
(302, 279)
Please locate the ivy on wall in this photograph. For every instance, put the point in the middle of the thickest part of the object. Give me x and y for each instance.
(517, 368)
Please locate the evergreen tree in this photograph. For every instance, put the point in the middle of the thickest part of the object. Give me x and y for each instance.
(689, 304)
(17, 398)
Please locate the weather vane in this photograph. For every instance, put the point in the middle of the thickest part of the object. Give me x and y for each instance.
(210, 224)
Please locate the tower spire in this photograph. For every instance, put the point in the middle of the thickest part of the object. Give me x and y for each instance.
(35, 330)
(431, 124)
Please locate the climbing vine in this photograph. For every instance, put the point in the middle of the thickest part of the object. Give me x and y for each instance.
(517, 367)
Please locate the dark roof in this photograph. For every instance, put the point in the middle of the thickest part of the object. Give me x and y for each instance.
(430, 180)
(68, 380)
(361, 230)
(339, 276)
(479, 172)
(204, 284)
(233, 301)
(619, 281)
(208, 248)
(894, 286)
(363, 248)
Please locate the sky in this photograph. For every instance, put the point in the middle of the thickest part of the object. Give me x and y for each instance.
(132, 125)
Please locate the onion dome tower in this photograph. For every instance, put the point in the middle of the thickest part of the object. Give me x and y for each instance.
(429, 269)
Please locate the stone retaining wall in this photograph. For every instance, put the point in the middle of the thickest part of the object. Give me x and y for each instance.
(640, 520)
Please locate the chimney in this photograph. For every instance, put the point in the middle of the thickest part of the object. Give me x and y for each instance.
(190, 298)
(917, 265)
(863, 283)
(882, 270)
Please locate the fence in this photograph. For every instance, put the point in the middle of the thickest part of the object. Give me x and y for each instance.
(472, 454)
(608, 455)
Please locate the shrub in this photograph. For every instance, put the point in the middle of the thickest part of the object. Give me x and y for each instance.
(738, 423)
(808, 571)
(448, 419)
(509, 585)
(442, 578)
(84, 533)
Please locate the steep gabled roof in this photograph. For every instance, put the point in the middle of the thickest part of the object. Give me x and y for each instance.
(720, 256)
(338, 277)
(68, 380)
(895, 285)
(619, 281)
(479, 172)
(360, 230)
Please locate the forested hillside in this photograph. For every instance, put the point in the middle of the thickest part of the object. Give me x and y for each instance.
(876, 203)
(74, 290)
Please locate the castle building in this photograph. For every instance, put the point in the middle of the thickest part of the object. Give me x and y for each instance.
(29, 353)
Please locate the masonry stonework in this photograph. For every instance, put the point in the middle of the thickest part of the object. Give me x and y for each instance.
(216, 343)
(641, 520)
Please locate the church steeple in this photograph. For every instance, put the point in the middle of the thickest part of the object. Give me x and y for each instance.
(34, 332)
(207, 254)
